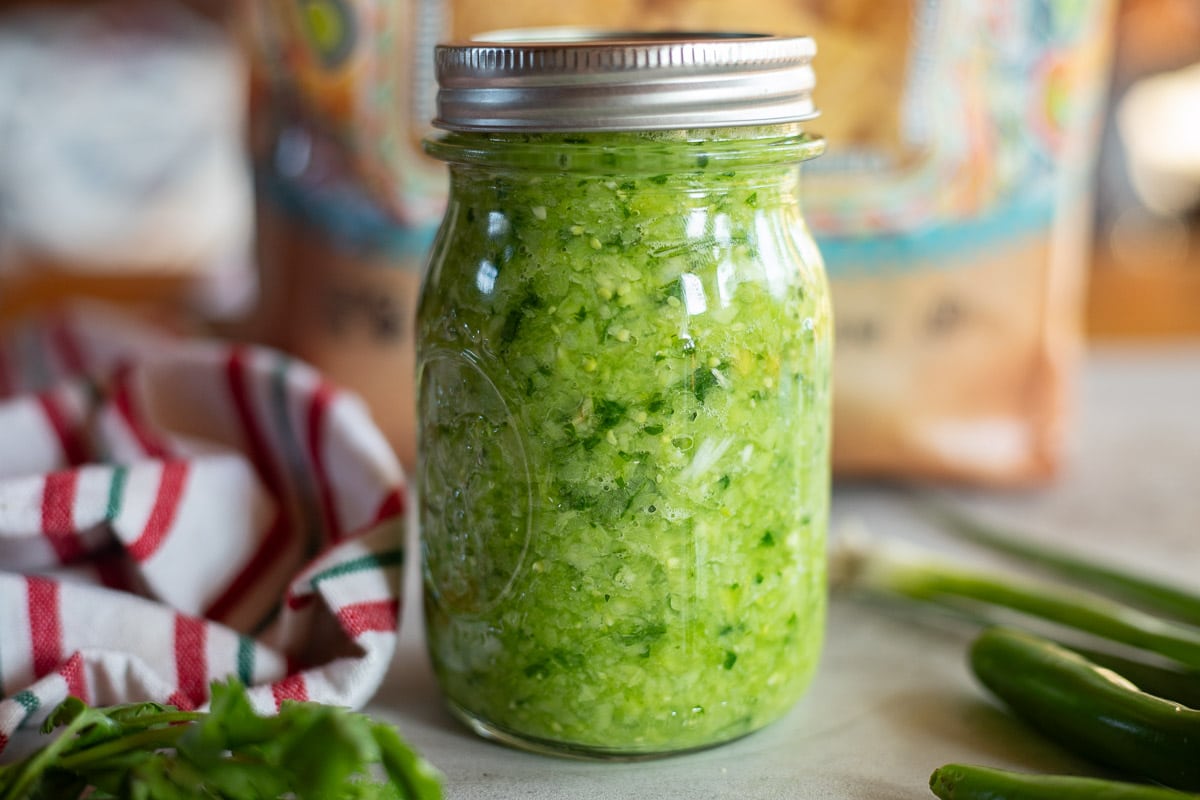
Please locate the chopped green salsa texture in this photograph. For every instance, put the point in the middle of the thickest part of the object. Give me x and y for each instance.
(624, 394)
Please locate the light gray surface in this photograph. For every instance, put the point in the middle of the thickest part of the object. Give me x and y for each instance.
(893, 698)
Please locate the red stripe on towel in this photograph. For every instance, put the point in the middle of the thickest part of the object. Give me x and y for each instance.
(45, 624)
(67, 346)
(290, 688)
(392, 506)
(298, 601)
(191, 658)
(58, 515)
(378, 615)
(181, 701)
(150, 443)
(263, 560)
(318, 410)
(162, 515)
(256, 440)
(73, 674)
(70, 440)
(7, 387)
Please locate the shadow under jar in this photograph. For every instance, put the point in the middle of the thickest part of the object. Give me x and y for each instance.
(624, 344)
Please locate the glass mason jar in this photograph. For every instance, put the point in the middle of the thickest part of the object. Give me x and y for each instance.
(623, 388)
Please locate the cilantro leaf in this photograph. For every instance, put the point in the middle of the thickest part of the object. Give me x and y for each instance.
(147, 751)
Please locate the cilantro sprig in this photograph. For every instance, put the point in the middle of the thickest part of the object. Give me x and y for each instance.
(148, 751)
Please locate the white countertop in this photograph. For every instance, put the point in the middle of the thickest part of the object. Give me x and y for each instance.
(893, 698)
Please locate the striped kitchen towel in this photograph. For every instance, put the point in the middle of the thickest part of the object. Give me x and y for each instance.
(174, 511)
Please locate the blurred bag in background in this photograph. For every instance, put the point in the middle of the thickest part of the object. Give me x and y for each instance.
(956, 223)
(952, 208)
(347, 201)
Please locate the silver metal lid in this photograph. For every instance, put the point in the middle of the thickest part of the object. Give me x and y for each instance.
(574, 79)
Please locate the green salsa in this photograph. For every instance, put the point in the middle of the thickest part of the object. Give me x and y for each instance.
(624, 356)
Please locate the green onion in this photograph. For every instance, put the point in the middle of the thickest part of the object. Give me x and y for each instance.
(1150, 594)
(884, 568)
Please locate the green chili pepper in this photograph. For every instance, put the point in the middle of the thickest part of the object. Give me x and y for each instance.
(1089, 709)
(969, 782)
(1170, 683)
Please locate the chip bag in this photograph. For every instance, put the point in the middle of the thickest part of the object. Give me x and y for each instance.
(953, 211)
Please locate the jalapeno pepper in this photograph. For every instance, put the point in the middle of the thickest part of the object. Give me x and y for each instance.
(1168, 682)
(1089, 709)
(969, 782)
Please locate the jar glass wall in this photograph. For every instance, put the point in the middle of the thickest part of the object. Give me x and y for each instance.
(624, 364)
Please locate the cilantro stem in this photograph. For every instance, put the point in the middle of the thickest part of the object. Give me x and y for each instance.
(30, 771)
(164, 718)
(149, 739)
